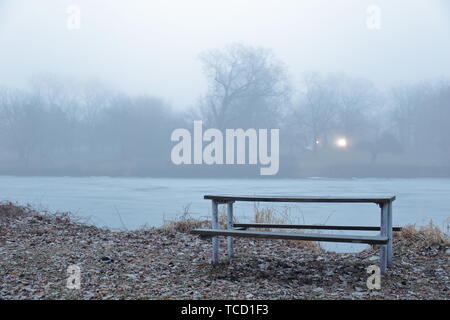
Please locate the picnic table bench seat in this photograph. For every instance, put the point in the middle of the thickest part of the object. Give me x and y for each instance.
(207, 233)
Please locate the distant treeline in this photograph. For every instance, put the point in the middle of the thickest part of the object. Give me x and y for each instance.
(64, 126)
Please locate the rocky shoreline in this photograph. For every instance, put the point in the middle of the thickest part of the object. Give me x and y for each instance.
(168, 263)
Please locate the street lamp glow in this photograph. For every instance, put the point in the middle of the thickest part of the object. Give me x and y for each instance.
(341, 142)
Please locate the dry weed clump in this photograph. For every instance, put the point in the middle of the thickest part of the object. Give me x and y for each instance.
(183, 225)
(10, 210)
(273, 216)
(426, 236)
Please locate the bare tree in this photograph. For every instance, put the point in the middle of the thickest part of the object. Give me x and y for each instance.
(359, 101)
(244, 82)
(408, 104)
(316, 111)
(21, 124)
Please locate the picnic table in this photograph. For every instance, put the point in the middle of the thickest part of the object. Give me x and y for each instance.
(383, 239)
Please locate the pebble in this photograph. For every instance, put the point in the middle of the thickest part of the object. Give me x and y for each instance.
(371, 259)
(358, 294)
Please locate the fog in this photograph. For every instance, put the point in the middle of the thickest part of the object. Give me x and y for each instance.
(152, 46)
(103, 99)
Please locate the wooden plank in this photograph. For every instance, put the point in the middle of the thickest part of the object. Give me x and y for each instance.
(308, 227)
(227, 198)
(292, 236)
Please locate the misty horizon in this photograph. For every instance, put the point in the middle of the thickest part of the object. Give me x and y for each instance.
(355, 88)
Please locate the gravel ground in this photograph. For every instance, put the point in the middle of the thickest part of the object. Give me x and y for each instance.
(37, 248)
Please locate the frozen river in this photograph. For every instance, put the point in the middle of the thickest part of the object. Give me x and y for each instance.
(134, 202)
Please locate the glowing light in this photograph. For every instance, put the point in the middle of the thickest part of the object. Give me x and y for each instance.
(317, 142)
(341, 142)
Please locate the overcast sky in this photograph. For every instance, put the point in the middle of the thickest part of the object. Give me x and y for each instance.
(152, 46)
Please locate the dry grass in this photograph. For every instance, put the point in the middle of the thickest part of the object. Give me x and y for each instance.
(12, 210)
(283, 216)
(184, 224)
(446, 225)
(272, 216)
(426, 236)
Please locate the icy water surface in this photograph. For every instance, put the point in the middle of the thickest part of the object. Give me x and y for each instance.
(133, 202)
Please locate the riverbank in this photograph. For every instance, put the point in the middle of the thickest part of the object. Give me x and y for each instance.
(36, 248)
